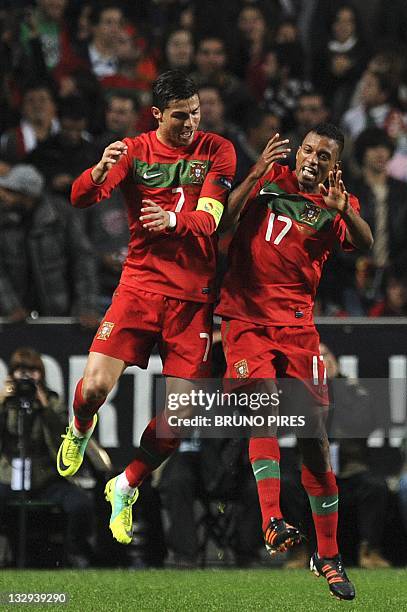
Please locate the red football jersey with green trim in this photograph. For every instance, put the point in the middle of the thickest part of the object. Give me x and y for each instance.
(180, 263)
(278, 252)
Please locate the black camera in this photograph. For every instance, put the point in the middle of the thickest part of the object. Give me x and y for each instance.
(25, 388)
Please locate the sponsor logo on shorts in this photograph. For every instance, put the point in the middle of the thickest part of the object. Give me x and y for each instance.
(104, 330)
(242, 369)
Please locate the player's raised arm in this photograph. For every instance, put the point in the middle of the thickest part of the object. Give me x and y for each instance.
(110, 157)
(358, 232)
(97, 183)
(274, 150)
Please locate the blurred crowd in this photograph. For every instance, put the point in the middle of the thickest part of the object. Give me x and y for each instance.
(76, 75)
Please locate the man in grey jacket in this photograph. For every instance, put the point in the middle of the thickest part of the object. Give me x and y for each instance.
(47, 265)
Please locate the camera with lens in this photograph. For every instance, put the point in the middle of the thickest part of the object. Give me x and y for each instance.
(22, 389)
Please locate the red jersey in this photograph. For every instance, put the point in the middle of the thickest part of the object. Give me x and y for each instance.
(180, 263)
(278, 252)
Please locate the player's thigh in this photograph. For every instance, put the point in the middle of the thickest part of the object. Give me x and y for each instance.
(130, 327)
(186, 341)
(249, 352)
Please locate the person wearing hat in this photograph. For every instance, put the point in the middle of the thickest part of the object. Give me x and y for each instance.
(47, 266)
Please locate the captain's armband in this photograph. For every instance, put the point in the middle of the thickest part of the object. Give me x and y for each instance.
(211, 206)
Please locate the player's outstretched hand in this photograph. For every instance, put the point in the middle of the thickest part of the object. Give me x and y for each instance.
(154, 218)
(110, 157)
(275, 149)
(336, 197)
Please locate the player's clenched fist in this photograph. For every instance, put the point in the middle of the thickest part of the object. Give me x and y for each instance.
(110, 157)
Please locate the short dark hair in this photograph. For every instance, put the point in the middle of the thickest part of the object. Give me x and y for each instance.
(370, 138)
(332, 131)
(172, 85)
(100, 7)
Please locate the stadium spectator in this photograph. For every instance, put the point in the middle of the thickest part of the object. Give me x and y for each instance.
(359, 297)
(106, 25)
(66, 154)
(310, 110)
(254, 37)
(178, 53)
(47, 265)
(394, 290)
(136, 66)
(45, 23)
(383, 198)
(342, 61)
(363, 493)
(211, 60)
(251, 142)
(281, 89)
(375, 107)
(121, 116)
(38, 122)
(211, 471)
(214, 117)
(27, 376)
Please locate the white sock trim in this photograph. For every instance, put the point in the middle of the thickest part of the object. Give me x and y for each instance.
(123, 485)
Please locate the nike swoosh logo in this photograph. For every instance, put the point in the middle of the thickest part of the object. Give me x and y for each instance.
(261, 469)
(264, 191)
(151, 176)
(325, 505)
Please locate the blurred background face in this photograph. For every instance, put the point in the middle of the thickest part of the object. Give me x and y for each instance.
(72, 129)
(180, 49)
(212, 108)
(54, 9)
(110, 26)
(210, 56)
(38, 105)
(121, 115)
(375, 159)
(344, 25)
(251, 23)
(396, 293)
(260, 135)
(370, 93)
(126, 50)
(310, 111)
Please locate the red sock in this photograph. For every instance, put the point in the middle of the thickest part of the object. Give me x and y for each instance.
(323, 495)
(152, 451)
(264, 454)
(83, 411)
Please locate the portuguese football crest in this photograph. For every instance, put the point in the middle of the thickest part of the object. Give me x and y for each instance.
(197, 171)
(310, 214)
(104, 330)
(242, 368)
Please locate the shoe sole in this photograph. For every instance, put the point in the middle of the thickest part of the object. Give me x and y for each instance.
(284, 546)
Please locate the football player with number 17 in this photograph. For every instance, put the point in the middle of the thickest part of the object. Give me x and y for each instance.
(175, 181)
(288, 223)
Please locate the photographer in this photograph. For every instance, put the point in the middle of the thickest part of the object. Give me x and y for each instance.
(25, 389)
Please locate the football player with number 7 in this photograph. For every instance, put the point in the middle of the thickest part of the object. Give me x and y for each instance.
(175, 181)
(288, 222)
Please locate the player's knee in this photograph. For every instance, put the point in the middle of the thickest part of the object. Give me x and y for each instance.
(96, 387)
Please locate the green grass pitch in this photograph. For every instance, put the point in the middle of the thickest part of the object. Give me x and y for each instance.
(210, 590)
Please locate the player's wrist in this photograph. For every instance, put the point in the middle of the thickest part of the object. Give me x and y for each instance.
(98, 175)
(172, 221)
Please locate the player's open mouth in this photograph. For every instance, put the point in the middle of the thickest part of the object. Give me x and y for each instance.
(308, 172)
(186, 135)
